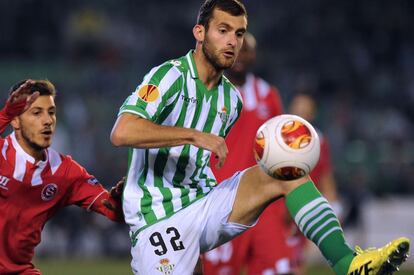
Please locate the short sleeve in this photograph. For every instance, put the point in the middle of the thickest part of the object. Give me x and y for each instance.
(84, 189)
(159, 89)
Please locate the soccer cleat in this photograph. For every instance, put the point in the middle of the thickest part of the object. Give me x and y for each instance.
(382, 261)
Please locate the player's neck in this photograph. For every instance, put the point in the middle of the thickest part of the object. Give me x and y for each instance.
(38, 154)
(207, 73)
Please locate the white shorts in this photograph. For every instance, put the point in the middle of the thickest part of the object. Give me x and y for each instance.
(173, 245)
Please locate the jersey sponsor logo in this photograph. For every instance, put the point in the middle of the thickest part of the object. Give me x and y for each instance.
(148, 93)
(49, 192)
(224, 116)
(165, 266)
(3, 182)
(188, 99)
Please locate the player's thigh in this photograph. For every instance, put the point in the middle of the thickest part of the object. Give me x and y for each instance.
(218, 206)
(256, 191)
(170, 246)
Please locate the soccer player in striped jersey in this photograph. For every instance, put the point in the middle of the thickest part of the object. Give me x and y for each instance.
(35, 180)
(172, 122)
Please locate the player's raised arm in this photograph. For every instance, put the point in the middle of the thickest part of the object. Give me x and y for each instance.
(135, 131)
(18, 102)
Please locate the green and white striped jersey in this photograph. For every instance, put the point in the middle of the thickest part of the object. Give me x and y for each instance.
(161, 181)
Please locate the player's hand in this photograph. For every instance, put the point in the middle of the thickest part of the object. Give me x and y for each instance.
(213, 143)
(21, 99)
(115, 193)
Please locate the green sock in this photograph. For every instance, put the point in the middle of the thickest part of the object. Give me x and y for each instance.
(316, 220)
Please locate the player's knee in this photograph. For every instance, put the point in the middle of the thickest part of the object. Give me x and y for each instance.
(290, 185)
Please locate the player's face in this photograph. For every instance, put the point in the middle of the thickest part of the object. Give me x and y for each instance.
(224, 39)
(36, 125)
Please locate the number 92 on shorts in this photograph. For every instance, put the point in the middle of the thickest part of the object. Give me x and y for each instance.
(173, 245)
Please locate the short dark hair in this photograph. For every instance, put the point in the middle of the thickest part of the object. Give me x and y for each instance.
(233, 7)
(44, 87)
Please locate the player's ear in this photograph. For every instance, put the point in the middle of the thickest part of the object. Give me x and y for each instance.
(199, 33)
(15, 123)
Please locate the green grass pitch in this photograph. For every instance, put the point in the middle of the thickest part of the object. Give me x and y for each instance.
(122, 267)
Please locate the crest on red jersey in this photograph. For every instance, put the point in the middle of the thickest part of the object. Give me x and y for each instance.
(49, 191)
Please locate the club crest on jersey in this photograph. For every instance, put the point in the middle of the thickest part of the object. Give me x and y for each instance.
(224, 116)
(165, 266)
(148, 93)
(3, 182)
(49, 192)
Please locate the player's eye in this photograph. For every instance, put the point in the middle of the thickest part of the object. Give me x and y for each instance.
(240, 34)
(222, 30)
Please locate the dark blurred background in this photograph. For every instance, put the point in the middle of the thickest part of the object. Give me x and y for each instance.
(356, 57)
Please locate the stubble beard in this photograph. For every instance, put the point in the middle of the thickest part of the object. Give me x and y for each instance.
(213, 59)
(35, 146)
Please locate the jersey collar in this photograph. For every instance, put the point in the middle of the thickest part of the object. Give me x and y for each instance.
(193, 68)
(26, 156)
(191, 64)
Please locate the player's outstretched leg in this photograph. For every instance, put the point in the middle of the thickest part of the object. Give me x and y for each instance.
(317, 221)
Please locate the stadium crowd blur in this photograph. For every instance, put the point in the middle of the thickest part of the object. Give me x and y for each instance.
(355, 57)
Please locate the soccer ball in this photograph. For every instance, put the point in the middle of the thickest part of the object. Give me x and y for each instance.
(287, 147)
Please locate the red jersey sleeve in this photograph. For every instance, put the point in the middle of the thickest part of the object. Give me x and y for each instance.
(88, 193)
(84, 189)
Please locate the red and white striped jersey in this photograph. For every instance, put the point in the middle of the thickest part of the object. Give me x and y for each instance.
(261, 101)
(30, 194)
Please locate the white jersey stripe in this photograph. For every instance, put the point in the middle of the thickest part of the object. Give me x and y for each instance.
(190, 65)
(19, 167)
(249, 93)
(36, 178)
(4, 149)
(54, 159)
(263, 87)
(132, 192)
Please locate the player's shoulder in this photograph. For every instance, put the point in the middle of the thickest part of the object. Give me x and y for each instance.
(59, 160)
(264, 86)
(229, 85)
(170, 69)
(180, 65)
(227, 82)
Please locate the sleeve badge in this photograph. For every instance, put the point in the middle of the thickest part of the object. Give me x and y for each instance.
(148, 93)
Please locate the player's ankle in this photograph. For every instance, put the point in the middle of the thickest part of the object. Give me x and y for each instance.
(342, 266)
